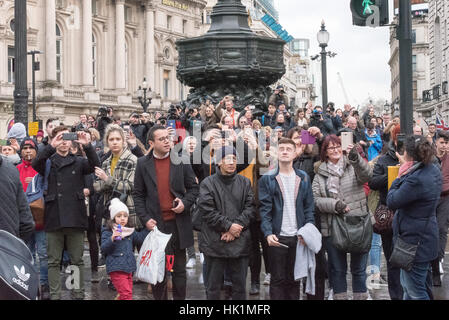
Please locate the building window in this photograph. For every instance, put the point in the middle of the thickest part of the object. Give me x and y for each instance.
(415, 90)
(58, 54)
(167, 53)
(414, 63)
(128, 14)
(169, 22)
(166, 83)
(413, 36)
(11, 61)
(12, 25)
(184, 26)
(94, 60)
(94, 7)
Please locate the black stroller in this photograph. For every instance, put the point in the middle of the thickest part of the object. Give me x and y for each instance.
(19, 279)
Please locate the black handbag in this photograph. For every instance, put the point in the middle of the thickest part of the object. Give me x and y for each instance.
(352, 234)
(404, 253)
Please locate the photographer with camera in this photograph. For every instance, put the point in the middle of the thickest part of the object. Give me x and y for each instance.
(192, 118)
(336, 120)
(139, 130)
(279, 96)
(323, 122)
(104, 118)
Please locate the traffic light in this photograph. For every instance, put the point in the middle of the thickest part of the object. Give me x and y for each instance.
(370, 13)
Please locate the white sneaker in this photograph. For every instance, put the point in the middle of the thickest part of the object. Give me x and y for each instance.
(201, 258)
(191, 263)
(267, 279)
(441, 266)
(331, 295)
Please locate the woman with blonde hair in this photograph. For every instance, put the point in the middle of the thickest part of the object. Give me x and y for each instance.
(116, 176)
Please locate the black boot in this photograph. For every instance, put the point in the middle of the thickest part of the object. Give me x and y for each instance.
(436, 278)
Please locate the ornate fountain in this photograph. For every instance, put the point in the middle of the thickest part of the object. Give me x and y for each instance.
(230, 59)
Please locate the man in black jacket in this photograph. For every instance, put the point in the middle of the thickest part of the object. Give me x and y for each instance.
(65, 210)
(163, 194)
(227, 208)
(15, 214)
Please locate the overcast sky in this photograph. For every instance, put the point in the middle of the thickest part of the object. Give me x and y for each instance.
(363, 52)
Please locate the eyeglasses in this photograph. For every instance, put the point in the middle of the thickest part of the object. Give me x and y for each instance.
(167, 138)
(332, 149)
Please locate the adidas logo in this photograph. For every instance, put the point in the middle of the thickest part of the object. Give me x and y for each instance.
(23, 277)
(21, 273)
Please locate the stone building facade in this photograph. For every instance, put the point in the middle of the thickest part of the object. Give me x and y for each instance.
(420, 57)
(436, 95)
(97, 52)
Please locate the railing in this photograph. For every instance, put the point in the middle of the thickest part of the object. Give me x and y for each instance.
(70, 93)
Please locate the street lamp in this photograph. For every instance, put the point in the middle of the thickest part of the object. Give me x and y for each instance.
(35, 67)
(323, 38)
(20, 66)
(387, 107)
(142, 95)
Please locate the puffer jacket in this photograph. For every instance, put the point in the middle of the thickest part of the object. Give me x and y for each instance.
(356, 173)
(120, 253)
(415, 197)
(220, 209)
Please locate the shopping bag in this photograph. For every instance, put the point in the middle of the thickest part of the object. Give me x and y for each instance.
(151, 261)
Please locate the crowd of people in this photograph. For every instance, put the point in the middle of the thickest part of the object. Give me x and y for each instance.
(278, 187)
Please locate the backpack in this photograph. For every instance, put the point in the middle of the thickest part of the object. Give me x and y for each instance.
(35, 194)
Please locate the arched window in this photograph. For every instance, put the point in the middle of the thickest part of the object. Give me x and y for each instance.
(94, 60)
(58, 54)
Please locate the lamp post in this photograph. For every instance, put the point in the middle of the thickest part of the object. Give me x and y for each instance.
(142, 95)
(35, 67)
(20, 72)
(323, 39)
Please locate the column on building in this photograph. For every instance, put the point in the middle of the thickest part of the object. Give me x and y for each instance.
(50, 40)
(149, 62)
(120, 50)
(87, 44)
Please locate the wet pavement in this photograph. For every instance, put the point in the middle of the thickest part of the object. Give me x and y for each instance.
(195, 287)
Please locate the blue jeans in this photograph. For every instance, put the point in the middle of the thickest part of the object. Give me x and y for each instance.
(38, 244)
(375, 253)
(338, 266)
(417, 283)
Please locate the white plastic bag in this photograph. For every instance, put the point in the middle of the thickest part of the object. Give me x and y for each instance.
(151, 262)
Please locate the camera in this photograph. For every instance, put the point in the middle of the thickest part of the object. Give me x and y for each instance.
(172, 113)
(102, 112)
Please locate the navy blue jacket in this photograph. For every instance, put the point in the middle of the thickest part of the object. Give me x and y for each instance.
(272, 203)
(415, 197)
(120, 253)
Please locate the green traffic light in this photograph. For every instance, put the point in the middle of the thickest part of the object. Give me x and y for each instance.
(366, 7)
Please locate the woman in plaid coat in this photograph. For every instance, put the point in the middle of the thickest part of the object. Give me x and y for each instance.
(116, 176)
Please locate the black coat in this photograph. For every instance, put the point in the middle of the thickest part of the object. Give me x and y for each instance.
(15, 214)
(183, 185)
(64, 201)
(379, 181)
(219, 209)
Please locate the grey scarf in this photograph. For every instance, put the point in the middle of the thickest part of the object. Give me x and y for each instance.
(336, 171)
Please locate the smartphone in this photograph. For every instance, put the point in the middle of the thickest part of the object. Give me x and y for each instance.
(126, 128)
(400, 144)
(171, 123)
(307, 138)
(283, 245)
(196, 124)
(70, 136)
(346, 139)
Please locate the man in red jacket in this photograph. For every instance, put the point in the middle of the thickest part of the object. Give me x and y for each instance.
(28, 151)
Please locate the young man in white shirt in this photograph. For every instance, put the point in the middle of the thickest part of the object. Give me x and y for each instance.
(286, 205)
